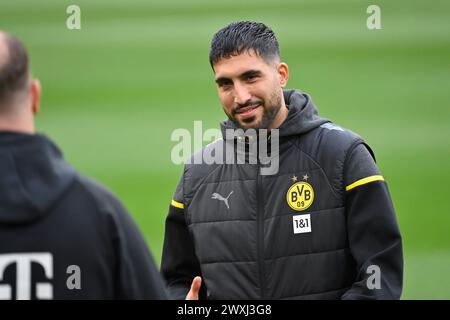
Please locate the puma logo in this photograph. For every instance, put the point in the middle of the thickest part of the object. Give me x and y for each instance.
(221, 198)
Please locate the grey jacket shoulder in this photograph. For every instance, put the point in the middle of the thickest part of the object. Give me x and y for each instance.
(102, 198)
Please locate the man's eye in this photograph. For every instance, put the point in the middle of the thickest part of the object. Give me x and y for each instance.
(225, 86)
(251, 78)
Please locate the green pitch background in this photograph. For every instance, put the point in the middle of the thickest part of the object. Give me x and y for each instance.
(115, 90)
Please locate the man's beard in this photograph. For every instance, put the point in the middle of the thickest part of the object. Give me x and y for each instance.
(268, 115)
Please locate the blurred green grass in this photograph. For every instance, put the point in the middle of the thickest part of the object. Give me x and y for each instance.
(115, 90)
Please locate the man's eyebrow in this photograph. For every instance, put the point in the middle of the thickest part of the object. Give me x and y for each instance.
(244, 75)
(222, 80)
(250, 73)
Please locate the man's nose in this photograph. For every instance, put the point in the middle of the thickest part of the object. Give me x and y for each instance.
(241, 94)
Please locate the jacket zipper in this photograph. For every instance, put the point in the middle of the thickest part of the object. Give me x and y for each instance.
(260, 231)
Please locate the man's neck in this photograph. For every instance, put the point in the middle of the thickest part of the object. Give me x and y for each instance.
(16, 126)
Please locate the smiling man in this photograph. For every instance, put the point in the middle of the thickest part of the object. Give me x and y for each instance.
(322, 227)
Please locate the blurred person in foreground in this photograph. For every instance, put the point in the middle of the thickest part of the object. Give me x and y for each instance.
(62, 235)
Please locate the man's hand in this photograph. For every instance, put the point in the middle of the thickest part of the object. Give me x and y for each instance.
(195, 288)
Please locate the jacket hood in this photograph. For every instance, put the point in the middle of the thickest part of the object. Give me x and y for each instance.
(33, 176)
(303, 115)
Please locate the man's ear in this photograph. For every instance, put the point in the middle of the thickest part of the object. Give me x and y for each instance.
(283, 72)
(35, 95)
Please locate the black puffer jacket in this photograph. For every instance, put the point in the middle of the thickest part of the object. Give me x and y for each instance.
(315, 230)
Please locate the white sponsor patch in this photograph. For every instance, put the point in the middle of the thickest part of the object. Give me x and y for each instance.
(302, 223)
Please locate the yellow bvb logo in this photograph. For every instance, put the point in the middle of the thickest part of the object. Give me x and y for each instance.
(300, 196)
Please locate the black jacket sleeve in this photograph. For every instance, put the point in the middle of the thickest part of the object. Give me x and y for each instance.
(137, 276)
(179, 264)
(373, 233)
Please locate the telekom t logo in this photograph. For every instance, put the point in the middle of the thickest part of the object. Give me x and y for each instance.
(23, 275)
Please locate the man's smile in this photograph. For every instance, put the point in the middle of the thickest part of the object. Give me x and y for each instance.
(248, 112)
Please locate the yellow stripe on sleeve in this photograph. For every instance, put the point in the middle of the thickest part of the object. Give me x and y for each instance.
(363, 181)
(177, 204)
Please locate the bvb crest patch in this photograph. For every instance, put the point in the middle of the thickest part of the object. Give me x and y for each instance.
(300, 196)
